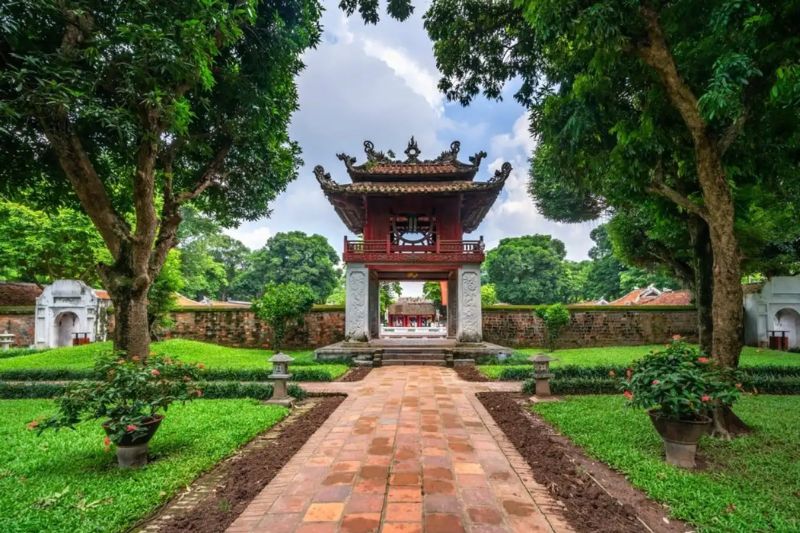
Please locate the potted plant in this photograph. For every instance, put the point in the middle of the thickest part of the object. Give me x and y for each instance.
(132, 396)
(680, 388)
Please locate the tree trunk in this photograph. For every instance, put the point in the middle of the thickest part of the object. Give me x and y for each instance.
(703, 281)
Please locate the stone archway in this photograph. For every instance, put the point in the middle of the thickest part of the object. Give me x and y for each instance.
(65, 325)
(788, 319)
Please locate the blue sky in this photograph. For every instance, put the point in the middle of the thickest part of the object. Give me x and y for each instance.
(379, 83)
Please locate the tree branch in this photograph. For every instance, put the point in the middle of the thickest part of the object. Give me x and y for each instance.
(732, 132)
(210, 174)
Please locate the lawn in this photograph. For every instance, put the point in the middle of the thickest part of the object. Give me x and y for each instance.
(213, 356)
(66, 482)
(624, 355)
(752, 483)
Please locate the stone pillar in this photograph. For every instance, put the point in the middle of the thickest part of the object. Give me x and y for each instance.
(469, 303)
(374, 307)
(452, 304)
(356, 311)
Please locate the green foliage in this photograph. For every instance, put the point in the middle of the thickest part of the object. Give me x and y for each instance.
(389, 292)
(161, 296)
(432, 290)
(529, 270)
(339, 293)
(747, 486)
(71, 486)
(43, 246)
(555, 318)
(291, 257)
(680, 383)
(130, 393)
(14, 352)
(488, 295)
(281, 304)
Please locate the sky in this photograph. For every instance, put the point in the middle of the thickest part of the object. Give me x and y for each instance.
(378, 83)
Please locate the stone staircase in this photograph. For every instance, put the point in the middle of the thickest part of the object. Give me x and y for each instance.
(414, 355)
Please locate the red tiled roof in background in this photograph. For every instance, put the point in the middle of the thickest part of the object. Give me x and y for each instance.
(653, 296)
(18, 293)
(672, 298)
(102, 294)
(401, 168)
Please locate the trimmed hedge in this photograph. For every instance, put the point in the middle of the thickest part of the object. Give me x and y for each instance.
(516, 373)
(213, 390)
(602, 308)
(299, 373)
(14, 352)
(763, 384)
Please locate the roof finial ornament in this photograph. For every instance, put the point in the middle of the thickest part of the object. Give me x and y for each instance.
(348, 160)
(500, 174)
(451, 155)
(323, 177)
(412, 151)
(477, 158)
(373, 155)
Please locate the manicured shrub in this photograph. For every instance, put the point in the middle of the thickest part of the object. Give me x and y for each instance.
(555, 318)
(14, 352)
(299, 373)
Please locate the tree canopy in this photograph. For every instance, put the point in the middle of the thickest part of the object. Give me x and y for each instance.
(134, 109)
(291, 257)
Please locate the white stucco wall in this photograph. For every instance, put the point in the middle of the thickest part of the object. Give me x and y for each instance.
(775, 307)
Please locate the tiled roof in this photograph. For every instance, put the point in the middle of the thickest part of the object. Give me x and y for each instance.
(406, 169)
(652, 296)
(410, 187)
(102, 294)
(18, 293)
(671, 298)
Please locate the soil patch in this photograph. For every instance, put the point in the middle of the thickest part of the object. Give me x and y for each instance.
(595, 498)
(239, 479)
(356, 373)
(470, 373)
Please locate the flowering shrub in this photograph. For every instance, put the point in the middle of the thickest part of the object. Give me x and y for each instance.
(128, 393)
(679, 383)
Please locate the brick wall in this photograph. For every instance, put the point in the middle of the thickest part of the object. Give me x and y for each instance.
(240, 327)
(20, 325)
(521, 327)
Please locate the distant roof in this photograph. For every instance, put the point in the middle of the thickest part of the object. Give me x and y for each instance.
(18, 293)
(381, 166)
(653, 296)
(102, 294)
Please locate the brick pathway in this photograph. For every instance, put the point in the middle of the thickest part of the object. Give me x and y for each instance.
(410, 450)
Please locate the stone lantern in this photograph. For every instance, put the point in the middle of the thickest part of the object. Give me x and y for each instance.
(6, 340)
(280, 377)
(541, 373)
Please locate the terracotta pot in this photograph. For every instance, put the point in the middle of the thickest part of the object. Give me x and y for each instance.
(680, 437)
(132, 452)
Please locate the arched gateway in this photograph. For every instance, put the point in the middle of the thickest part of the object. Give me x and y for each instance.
(412, 215)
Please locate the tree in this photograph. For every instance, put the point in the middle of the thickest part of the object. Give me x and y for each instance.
(140, 108)
(211, 260)
(41, 247)
(529, 270)
(432, 290)
(643, 98)
(281, 305)
(162, 295)
(488, 295)
(291, 257)
(555, 317)
(390, 291)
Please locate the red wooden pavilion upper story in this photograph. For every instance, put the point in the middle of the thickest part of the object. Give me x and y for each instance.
(412, 215)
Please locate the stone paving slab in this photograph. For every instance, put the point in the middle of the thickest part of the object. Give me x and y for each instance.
(411, 449)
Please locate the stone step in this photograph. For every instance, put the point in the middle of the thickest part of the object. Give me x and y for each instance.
(410, 362)
(415, 356)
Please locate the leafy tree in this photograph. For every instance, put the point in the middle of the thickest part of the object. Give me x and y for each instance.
(389, 292)
(41, 247)
(162, 295)
(488, 295)
(211, 259)
(339, 294)
(555, 318)
(432, 290)
(281, 305)
(529, 270)
(637, 99)
(291, 257)
(142, 107)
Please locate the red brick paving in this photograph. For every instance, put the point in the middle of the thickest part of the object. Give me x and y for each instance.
(411, 450)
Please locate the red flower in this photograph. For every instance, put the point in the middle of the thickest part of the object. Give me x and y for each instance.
(628, 394)
(201, 365)
(33, 424)
(155, 372)
(107, 443)
(676, 337)
(656, 382)
(703, 360)
(131, 428)
(705, 398)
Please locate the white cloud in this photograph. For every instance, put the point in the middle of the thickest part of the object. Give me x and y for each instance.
(252, 235)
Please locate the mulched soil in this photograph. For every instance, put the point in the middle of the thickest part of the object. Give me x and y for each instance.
(356, 373)
(248, 473)
(470, 373)
(595, 497)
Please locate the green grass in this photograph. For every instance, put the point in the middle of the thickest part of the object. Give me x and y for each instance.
(66, 482)
(212, 356)
(623, 355)
(752, 484)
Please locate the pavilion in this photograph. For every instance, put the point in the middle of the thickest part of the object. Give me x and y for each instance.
(412, 215)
